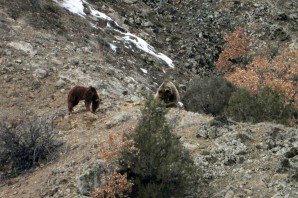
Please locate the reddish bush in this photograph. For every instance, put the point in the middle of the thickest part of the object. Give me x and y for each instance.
(235, 49)
(116, 184)
(279, 72)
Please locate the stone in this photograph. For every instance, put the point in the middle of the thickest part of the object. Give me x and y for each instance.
(60, 83)
(284, 166)
(230, 160)
(147, 24)
(40, 73)
(57, 62)
(130, 1)
(291, 153)
(189, 146)
(23, 46)
(119, 118)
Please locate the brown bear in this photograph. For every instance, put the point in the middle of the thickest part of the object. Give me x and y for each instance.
(88, 94)
(168, 93)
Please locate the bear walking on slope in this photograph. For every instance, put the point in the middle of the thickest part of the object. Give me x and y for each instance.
(168, 93)
(88, 94)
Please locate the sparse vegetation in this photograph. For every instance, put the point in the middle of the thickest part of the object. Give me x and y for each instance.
(208, 94)
(26, 143)
(42, 14)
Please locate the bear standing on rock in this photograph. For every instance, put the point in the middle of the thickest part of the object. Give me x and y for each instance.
(88, 94)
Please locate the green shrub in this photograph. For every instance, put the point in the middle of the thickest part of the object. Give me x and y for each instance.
(25, 144)
(267, 105)
(161, 166)
(243, 106)
(274, 106)
(208, 94)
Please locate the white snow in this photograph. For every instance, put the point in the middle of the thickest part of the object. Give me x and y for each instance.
(100, 15)
(76, 7)
(143, 45)
(132, 79)
(94, 26)
(144, 70)
(180, 104)
(113, 47)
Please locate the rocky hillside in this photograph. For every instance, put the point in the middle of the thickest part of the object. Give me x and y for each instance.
(46, 49)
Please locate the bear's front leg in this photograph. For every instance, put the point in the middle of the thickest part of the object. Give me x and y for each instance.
(87, 104)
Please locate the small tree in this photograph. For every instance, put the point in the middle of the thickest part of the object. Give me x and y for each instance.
(161, 167)
(274, 106)
(243, 106)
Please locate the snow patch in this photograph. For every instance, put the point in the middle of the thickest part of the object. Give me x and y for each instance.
(100, 15)
(144, 70)
(143, 45)
(113, 47)
(74, 6)
(77, 7)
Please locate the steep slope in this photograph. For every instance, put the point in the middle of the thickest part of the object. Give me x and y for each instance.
(45, 50)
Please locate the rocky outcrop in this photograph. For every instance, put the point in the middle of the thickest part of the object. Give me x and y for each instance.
(242, 159)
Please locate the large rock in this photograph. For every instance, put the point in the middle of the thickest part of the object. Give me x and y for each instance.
(23, 46)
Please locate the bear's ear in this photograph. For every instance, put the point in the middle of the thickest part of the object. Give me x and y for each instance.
(92, 88)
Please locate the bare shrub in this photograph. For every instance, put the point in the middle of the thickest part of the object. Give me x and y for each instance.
(26, 143)
(39, 13)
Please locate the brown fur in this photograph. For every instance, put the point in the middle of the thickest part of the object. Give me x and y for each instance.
(168, 93)
(88, 94)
